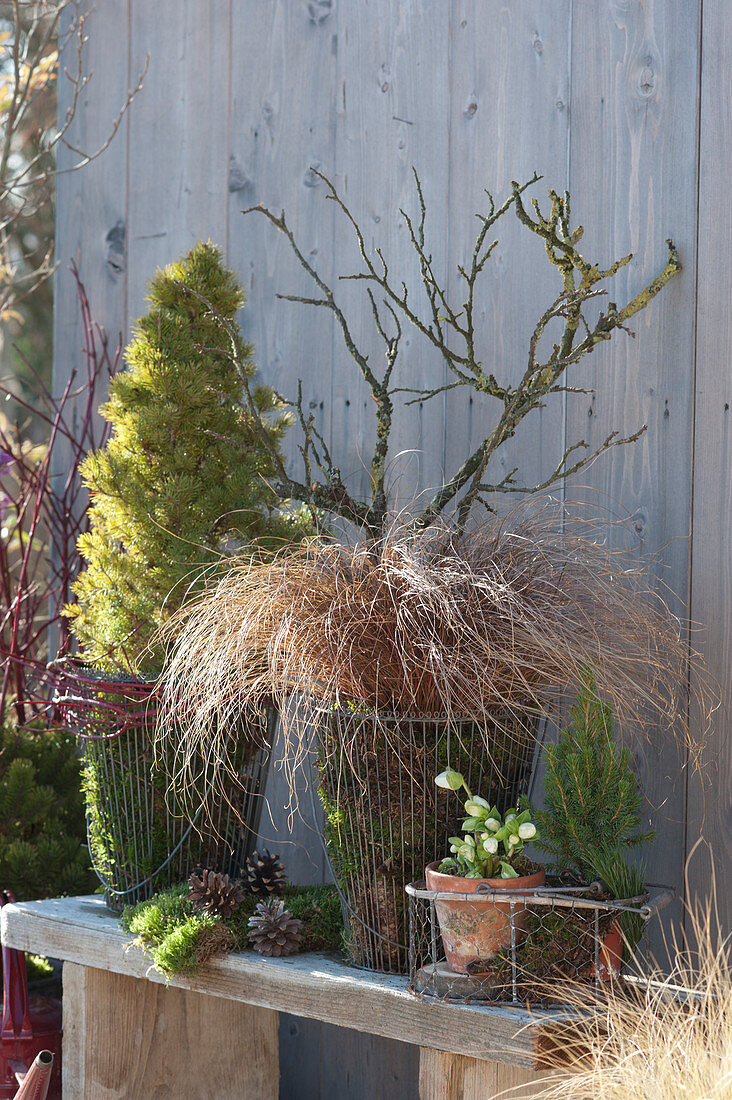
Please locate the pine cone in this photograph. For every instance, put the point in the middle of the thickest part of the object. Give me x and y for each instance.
(264, 874)
(273, 930)
(214, 893)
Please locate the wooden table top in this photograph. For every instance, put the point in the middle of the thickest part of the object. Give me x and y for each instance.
(82, 930)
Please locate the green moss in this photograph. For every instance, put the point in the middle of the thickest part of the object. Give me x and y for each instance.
(153, 919)
(168, 930)
(319, 907)
(178, 940)
(178, 951)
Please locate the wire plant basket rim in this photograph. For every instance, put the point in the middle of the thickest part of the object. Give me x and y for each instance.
(97, 681)
(656, 897)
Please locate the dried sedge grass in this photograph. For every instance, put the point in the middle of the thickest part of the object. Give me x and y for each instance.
(425, 623)
(672, 1040)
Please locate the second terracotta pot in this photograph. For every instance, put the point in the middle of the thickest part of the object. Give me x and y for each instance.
(478, 929)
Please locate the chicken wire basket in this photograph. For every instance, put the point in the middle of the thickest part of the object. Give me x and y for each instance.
(141, 836)
(384, 817)
(519, 948)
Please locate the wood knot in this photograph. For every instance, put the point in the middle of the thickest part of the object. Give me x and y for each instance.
(114, 245)
(470, 107)
(647, 68)
(238, 179)
(647, 81)
(384, 77)
(268, 112)
(538, 44)
(319, 10)
(310, 179)
(640, 525)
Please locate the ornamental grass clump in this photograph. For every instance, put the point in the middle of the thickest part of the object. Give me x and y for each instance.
(434, 622)
(666, 1038)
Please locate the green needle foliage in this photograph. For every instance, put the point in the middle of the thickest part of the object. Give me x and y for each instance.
(183, 479)
(43, 850)
(592, 811)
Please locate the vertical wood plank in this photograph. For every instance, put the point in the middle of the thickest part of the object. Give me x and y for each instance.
(509, 118)
(634, 107)
(178, 135)
(365, 1067)
(282, 125)
(292, 819)
(444, 1076)
(393, 96)
(73, 1051)
(710, 797)
(91, 202)
(143, 1039)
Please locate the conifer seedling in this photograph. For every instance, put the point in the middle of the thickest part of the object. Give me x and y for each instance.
(592, 810)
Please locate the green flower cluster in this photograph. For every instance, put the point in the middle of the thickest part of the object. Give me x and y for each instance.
(491, 843)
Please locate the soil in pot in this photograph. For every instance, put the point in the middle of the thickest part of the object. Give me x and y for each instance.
(474, 931)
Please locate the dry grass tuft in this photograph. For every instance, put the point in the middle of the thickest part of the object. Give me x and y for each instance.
(425, 623)
(672, 1040)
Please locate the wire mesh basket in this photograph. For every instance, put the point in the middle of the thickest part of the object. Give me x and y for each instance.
(384, 817)
(520, 948)
(141, 836)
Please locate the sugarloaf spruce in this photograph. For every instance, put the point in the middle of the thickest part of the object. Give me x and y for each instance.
(183, 479)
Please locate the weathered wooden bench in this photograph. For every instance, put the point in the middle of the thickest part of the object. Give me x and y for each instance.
(129, 1035)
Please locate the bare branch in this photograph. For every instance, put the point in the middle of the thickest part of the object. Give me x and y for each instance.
(451, 331)
(563, 469)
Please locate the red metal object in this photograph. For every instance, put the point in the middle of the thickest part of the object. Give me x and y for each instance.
(37, 1081)
(29, 1026)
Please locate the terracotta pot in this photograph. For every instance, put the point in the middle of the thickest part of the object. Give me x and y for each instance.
(478, 929)
(611, 954)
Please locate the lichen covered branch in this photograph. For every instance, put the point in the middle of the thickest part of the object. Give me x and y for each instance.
(452, 330)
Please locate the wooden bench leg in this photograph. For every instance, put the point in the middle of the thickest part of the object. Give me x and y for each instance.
(131, 1039)
(444, 1076)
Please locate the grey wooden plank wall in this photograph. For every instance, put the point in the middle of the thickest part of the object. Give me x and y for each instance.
(627, 104)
